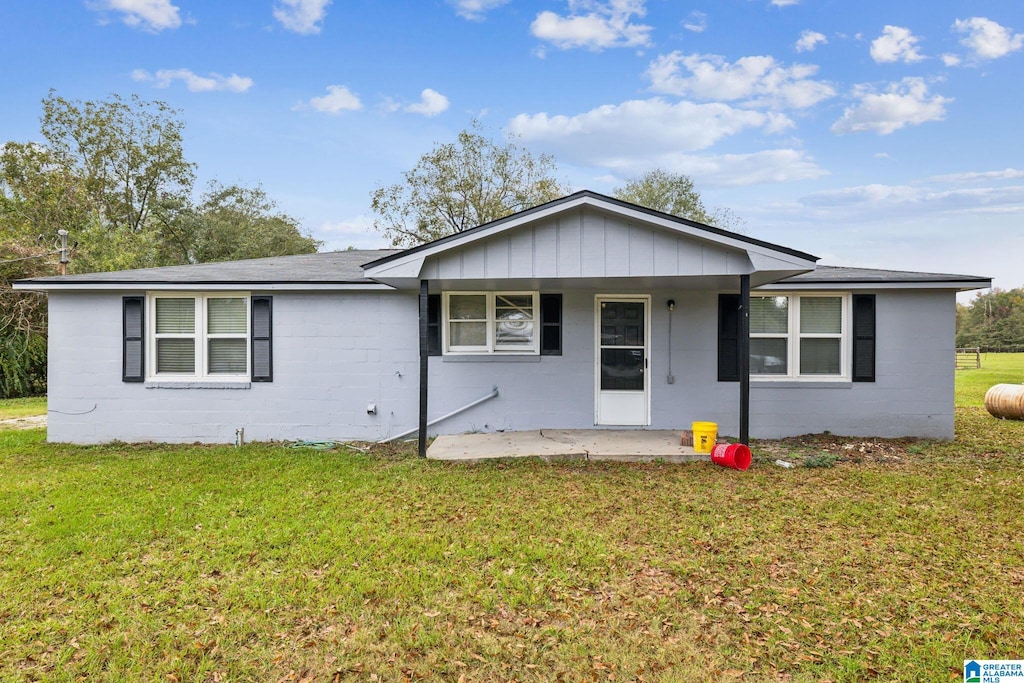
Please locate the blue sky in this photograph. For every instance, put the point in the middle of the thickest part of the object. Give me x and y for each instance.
(879, 134)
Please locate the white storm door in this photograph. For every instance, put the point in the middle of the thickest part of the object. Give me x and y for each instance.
(621, 377)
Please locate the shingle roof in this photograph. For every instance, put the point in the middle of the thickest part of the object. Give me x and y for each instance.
(840, 274)
(334, 267)
(346, 267)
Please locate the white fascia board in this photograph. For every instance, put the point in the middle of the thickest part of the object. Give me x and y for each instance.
(197, 286)
(849, 286)
(753, 250)
(762, 261)
(410, 265)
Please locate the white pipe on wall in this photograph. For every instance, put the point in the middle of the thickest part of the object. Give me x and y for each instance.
(488, 397)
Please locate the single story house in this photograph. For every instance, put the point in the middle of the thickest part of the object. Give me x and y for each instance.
(585, 311)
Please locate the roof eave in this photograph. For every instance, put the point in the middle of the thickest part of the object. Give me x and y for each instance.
(206, 286)
(838, 285)
(579, 199)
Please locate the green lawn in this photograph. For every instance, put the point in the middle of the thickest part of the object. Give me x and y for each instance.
(266, 563)
(22, 407)
(996, 368)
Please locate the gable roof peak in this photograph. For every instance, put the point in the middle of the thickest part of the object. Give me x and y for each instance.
(597, 200)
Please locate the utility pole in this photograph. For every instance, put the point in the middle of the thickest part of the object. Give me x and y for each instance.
(63, 267)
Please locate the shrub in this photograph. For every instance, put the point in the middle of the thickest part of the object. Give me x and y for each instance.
(22, 364)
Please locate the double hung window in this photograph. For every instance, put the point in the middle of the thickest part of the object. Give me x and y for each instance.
(202, 336)
(491, 322)
(799, 336)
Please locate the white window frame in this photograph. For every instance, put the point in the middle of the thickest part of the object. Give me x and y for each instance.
(490, 347)
(201, 336)
(794, 336)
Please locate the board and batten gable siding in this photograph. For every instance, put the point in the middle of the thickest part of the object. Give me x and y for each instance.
(585, 243)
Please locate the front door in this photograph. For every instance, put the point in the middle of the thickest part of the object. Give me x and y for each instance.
(623, 330)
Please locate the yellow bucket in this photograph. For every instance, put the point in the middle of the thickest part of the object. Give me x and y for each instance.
(704, 435)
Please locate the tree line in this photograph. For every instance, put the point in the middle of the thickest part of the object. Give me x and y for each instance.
(114, 176)
(992, 320)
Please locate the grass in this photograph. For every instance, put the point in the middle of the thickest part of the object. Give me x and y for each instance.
(22, 407)
(996, 368)
(265, 563)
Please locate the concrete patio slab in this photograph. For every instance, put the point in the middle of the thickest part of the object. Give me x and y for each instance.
(639, 445)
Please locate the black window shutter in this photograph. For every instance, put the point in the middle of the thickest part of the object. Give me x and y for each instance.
(433, 324)
(551, 324)
(262, 339)
(863, 337)
(133, 365)
(728, 337)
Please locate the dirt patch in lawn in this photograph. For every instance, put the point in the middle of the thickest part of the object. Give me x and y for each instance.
(816, 448)
(31, 422)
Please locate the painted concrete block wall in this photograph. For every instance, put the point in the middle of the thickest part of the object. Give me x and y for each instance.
(913, 394)
(335, 353)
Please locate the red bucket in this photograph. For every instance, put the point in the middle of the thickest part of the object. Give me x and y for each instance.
(734, 455)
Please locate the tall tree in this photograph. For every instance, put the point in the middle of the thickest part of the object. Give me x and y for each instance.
(674, 193)
(38, 195)
(462, 184)
(992, 319)
(129, 154)
(235, 222)
(114, 175)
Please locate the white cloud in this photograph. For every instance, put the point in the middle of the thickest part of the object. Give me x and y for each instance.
(301, 16)
(389, 105)
(617, 135)
(785, 3)
(150, 15)
(431, 103)
(697, 22)
(636, 136)
(950, 60)
(475, 10)
(738, 170)
(594, 24)
(911, 226)
(917, 201)
(338, 99)
(809, 40)
(194, 82)
(973, 176)
(904, 103)
(355, 232)
(872, 194)
(987, 39)
(896, 44)
(757, 80)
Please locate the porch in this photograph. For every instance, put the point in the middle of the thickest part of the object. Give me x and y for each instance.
(620, 445)
(611, 273)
